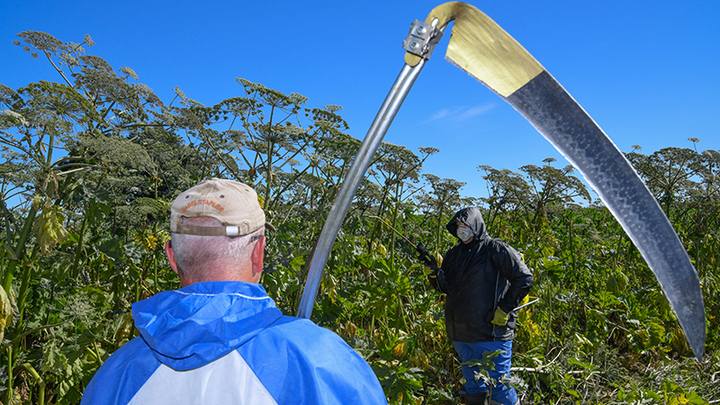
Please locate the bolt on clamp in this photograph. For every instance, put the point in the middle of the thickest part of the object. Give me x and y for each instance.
(422, 39)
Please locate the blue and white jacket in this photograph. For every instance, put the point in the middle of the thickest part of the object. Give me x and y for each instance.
(227, 343)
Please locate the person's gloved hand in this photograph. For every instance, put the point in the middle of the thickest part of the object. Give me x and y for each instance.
(500, 318)
(427, 259)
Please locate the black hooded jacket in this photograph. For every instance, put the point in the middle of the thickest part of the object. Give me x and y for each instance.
(478, 277)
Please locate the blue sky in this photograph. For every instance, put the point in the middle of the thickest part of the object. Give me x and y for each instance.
(648, 72)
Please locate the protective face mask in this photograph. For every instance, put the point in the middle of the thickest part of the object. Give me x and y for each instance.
(463, 233)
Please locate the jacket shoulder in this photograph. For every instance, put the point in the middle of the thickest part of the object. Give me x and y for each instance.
(295, 356)
(132, 364)
(499, 246)
(498, 243)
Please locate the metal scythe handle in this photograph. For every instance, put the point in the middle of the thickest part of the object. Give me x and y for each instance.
(422, 39)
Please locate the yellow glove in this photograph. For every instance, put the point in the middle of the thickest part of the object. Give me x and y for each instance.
(500, 318)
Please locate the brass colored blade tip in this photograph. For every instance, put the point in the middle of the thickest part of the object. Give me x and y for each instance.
(485, 51)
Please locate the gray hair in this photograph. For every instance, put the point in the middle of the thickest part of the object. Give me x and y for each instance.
(199, 256)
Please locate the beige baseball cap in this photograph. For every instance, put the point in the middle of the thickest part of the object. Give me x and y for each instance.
(232, 203)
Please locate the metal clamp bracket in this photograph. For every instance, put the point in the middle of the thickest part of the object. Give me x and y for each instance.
(422, 39)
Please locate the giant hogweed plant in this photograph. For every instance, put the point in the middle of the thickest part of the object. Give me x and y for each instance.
(92, 162)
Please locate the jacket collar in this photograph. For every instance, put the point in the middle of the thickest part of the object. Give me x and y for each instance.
(197, 324)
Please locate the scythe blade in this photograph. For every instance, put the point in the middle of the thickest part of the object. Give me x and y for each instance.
(485, 51)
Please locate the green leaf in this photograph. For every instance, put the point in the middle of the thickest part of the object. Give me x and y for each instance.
(6, 312)
(574, 393)
(49, 227)
(587, 366)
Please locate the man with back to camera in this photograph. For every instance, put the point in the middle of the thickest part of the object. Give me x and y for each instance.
(484, 280)
(220, 339)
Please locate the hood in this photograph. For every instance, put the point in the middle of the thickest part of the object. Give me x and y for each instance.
(472, 217)
(195, 325)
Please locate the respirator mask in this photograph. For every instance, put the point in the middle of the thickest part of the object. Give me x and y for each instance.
(463, 233)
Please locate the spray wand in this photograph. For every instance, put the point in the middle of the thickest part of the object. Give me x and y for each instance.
(425, 255)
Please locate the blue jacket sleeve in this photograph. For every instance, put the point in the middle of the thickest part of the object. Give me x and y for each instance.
(121, 376)
(302, 363)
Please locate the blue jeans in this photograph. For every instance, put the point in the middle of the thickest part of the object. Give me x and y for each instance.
(468, 351)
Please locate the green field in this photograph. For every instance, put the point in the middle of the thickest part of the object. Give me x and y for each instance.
(92, 162)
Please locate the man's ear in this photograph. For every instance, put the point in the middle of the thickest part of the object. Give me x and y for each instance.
(171, 256)
(258, 257)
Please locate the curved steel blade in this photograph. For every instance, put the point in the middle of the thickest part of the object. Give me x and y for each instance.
(485, 51)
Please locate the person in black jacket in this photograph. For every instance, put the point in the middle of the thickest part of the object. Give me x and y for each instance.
(484, 280)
